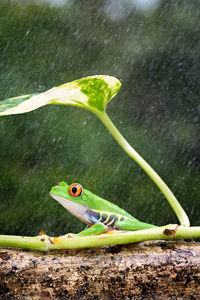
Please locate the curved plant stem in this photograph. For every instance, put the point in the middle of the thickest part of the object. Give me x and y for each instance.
(180, 213)
(45, 243)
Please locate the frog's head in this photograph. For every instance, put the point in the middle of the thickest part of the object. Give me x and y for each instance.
(73, 198)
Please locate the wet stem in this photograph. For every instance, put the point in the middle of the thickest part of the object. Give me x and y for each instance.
(45, 243)
(179, 211)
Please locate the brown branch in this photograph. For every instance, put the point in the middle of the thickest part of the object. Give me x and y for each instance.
(134, 271)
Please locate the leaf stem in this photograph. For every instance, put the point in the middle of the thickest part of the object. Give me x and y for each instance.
(180, 213)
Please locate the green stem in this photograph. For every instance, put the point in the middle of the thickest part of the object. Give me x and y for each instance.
(25, 242)
(45, 243)
(180, 213)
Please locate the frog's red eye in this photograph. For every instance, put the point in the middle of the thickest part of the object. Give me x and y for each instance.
(75, 189)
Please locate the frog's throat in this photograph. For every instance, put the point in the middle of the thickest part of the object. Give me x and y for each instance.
(78, 210)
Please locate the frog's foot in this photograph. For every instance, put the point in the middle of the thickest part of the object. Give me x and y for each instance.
(68, 235)
(74, 235)
(110, 230)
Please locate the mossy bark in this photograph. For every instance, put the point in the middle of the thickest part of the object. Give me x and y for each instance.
(149, 270)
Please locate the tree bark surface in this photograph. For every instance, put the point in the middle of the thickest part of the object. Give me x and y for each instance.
(149, 270)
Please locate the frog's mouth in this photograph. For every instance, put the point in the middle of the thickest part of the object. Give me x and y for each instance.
(75, 209)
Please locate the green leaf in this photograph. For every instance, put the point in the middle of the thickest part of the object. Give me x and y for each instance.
(92, 93)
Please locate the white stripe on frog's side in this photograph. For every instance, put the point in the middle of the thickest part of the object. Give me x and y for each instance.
(108, 217)
(109, 214)
(75, 209)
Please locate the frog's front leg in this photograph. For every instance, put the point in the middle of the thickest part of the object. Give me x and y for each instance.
(96, 226)
(95, 229)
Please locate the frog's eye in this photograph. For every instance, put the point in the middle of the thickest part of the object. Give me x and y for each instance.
(75, 189)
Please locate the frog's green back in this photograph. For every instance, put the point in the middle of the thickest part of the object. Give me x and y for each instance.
(97, 203)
